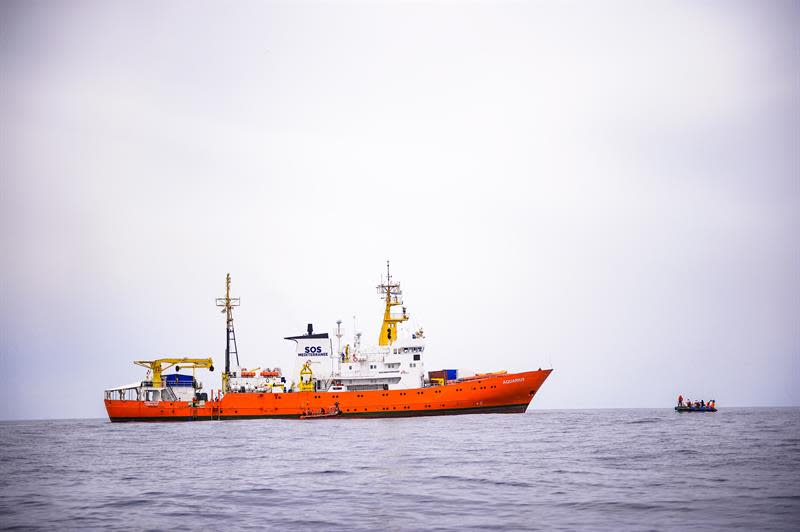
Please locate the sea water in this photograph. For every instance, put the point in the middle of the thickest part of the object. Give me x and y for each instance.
(635, 469)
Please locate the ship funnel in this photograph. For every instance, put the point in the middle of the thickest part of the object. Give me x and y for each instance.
(310, 329)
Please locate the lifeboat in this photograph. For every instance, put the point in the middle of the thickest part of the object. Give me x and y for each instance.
(270, 373)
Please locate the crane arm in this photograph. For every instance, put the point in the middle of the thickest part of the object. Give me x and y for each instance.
(158, 366)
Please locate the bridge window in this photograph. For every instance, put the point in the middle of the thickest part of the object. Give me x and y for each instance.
(416, 357)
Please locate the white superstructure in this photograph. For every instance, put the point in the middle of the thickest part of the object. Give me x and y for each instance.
(397, 366)
(396, 363)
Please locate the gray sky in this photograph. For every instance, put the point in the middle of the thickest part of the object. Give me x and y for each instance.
(610, 188)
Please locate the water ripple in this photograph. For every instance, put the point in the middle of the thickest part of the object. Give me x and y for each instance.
(599, 470)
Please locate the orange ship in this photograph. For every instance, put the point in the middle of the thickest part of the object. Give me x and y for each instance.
(382, 381)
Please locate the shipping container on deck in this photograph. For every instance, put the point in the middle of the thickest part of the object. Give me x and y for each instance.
(439, 374)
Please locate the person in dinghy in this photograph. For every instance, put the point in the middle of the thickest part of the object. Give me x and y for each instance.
(696, 406)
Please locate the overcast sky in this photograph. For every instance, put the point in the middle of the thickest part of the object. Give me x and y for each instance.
(608, 188)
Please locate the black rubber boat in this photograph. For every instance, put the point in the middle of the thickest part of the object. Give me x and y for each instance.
(695, 409)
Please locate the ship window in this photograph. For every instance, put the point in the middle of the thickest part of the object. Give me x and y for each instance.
(351, 367)
(412, 365)
(416, 357)
(372, 366)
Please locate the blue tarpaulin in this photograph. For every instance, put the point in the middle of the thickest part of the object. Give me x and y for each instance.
(178, 380)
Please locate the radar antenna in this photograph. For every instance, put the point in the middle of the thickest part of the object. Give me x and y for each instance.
(339, 335)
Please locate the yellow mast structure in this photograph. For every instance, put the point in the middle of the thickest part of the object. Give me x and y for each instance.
(227, 303)
(162, 364)
(390, 292)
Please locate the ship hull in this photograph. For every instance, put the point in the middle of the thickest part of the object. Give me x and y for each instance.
(496, 394)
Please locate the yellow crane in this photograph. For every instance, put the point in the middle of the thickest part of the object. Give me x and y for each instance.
(306, 378)
(158, 366)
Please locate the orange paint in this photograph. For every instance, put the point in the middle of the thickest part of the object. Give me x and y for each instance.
(488, 393)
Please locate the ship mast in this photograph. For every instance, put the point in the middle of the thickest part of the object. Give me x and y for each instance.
(227, 303)
(391, 293)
